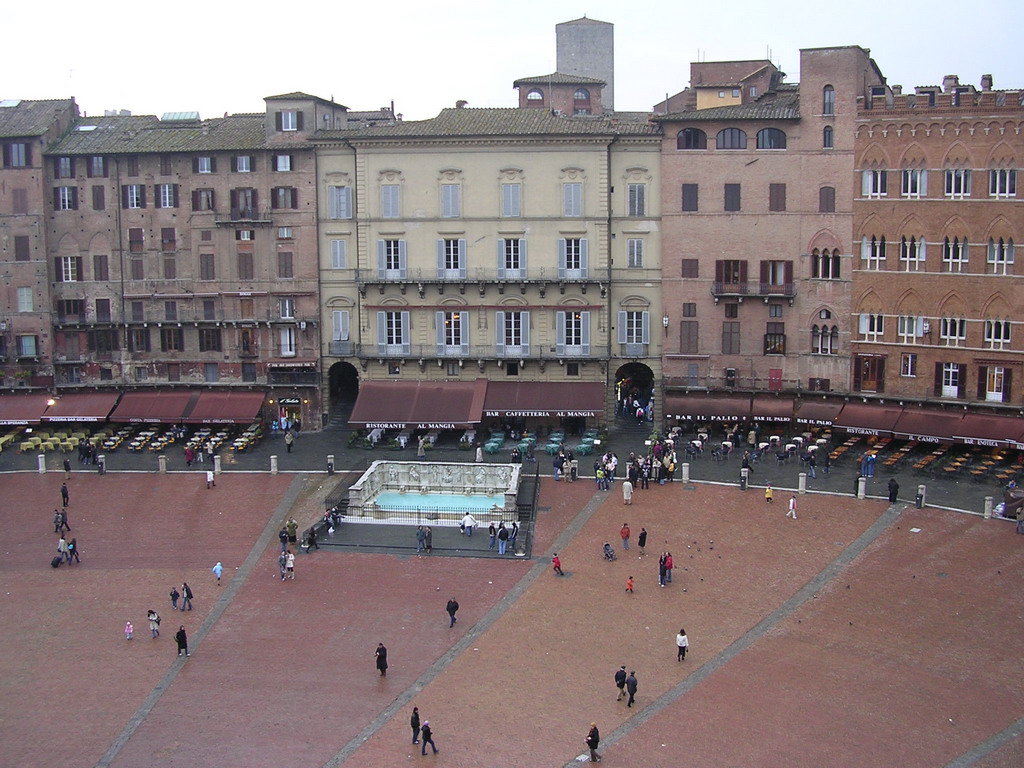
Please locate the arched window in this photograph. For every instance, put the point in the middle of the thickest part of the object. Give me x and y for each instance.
(731, 138)
(582, 94)
(828, 100)
(827, 200)
(826, 137)
(536, 96)
(824, 340)
(825, 264)
(691, 138)
(771, 138)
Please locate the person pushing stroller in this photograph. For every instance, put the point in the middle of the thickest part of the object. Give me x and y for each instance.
(609, 553)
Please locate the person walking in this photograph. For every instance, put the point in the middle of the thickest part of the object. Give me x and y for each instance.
(826, 462)
(792, 507)
(668, 567)
(769, 494)
(289, 564)
(468, 524)
(282, 564)
(641, 540)
(292, 528)
(289, 440)
(211, 480)
(479, 453)
(129, 630)
(282, 537)
(421, 537)
(154, 623)
(811, 464)
(427, 737)
(631, 687)
(513, 534)
(181, 640)
(627, 492)
(682, 643)
(629, 584)
(593, 740)
(62, 549)
(502, 538)
(175, 594)
(381, 655)
(58, 519)
(894, 489)
(492, 535)
(311, 542)
(414, 722)
(620, 681)
(67, 468)
(73, 551)
(428, 539)
(452, 608)
(186, 597)
(624, 535)
(64, 495)
(556, 564)
(661, 569)
(218, 569)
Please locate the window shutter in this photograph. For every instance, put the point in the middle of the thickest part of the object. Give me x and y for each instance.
(213, 200)
(462, 259)
(234, 163)
(501, 257)
(142, 196)
(341, 325)
(863, 324)
(743, 271)
(764, 273)
(277, 121)
(881, 376)
(499, 333)
(982, 381)
(787, 271)
(921, 246)
(56, 198)
(440, 259)
(923, 184)
(1007, 388)
(298, 119)
(719, 271)
(439, 331)
(522, 257)
(174, 194)
(234, 200)
(865, 183)
(919, 326)
(124, 196)
(293, 196)
(526, 332)
(402, 258)
(255, 203)
(382, 260)
(559, 333)
(584, 258)
(406, 346)
(621, 331)
(58, 273)
(80, 267)
(961, 390)
(195, 200)
(464, 333)
(382, 331)
(561, 257)
(646, 330)
(195, 165)
(937, 389)
(585, 331)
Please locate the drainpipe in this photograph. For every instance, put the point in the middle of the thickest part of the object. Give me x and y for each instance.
(608, 225)
(120, 259)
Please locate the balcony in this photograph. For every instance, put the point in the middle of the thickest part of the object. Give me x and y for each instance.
(340, 348)
(753, 288)
(239, 217)
(633, 350)
(422, 278)
(472, 352)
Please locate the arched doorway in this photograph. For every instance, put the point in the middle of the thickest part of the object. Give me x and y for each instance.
(634, 384)
(343, 387)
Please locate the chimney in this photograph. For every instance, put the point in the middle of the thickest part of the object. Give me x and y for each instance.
(986, 82)
(897, 90)
(949, 82)
(461, 104)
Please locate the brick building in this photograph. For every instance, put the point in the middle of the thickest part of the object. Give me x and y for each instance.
(757, 230)
(936, 217)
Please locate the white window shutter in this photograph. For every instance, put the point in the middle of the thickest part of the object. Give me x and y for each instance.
(919, 326)
(499, 333)
(501, 257)
(585, 328)
(440, 260)
(406, 346)
(560, 332)
(621, 330)
(439, 331)
(382, 259)
(402, 258)
(646, 331)
(522, 257)
(865, 247)
(865, 183)
(526, 332)
(464, 332)
(584, 258)
(382, 332)
(462, 258)
(561, 257)
(923, 183)
(864, 320)
(339, 254)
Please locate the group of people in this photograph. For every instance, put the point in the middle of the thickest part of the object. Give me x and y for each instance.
(502, 536)
(196, 454)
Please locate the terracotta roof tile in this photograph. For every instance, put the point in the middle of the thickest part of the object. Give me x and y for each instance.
(558, 78)
(775, 106)
(30, 118)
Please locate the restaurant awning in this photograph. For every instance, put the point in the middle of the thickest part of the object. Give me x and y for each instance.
(513, 399)
(419, 404)
(818, 412)
(707, 407)
(168, 407)
(771, 408)
(990, 429)
(868, 418)
(928, 425)
(220, 407)
(82, 406)
(17, 410)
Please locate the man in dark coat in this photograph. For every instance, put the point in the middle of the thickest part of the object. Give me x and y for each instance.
(894, 488)
(381, 655)
(593, 740)
(620, 681)
(452, 608)
(181, 638)
(631, 686)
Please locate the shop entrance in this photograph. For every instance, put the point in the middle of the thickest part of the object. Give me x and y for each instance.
(634, 388)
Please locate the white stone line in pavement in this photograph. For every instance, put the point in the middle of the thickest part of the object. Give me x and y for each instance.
(985, 748)
(268, 535)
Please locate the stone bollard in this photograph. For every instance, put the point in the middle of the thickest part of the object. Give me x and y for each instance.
(686, 472)
(744, 477)
(273, 464)
(862, 487)
(330, 463)
(919, 499)
(101, 463)
(41, 462)
(801, 483)
(988, 507)
(216, 463)
(162, 463)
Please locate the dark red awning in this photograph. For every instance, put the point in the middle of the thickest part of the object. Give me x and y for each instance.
(707, 407)
(928, 425)
(868, 418)
(17, 410)
(990, 429)
(771, 408)
(511, 399)
(818, 412)
(226, 407)
(167, 407)
(82, 406)
(419, 404)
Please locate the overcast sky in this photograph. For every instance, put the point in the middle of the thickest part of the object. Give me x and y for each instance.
(216, 57)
